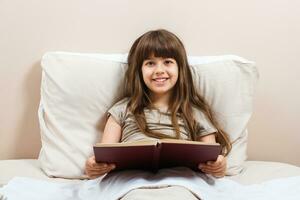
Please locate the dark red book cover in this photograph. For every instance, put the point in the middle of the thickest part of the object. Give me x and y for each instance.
(154, 155)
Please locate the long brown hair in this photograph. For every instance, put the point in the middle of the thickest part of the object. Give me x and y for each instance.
(162, 43)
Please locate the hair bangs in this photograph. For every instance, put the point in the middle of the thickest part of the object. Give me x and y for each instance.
(158, 45)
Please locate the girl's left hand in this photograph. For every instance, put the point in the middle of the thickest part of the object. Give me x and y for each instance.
(216, 168)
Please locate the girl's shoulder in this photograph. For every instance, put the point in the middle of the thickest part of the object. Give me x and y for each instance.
(203, 120)
(122, 104)
(119, 111)
(198, 113)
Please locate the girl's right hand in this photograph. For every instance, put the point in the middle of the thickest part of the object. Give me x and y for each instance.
(94, 170)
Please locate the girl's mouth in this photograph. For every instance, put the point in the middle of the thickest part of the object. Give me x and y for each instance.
(160, 79)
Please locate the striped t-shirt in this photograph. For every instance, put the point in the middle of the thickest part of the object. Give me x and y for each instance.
(157, 120)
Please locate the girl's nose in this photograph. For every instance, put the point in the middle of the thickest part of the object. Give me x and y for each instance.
(159, 68)
(159, 72)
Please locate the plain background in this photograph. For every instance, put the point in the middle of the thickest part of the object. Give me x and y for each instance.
(266, 32)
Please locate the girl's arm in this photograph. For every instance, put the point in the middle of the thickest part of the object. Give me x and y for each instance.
(112, 134)
(211, 138)
(216, 168)
(112, 131)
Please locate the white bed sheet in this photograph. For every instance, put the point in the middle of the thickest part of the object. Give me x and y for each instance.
(254, 171)
(116, 185)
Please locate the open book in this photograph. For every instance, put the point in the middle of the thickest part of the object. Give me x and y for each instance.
(156, 154)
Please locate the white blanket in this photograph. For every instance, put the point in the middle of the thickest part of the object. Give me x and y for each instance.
(117, 184)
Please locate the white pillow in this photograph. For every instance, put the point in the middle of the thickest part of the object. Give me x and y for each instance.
(228, 86)
(77, 89)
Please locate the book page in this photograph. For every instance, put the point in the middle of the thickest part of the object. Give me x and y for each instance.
(126, 144)
(152, 142)
(177, 141)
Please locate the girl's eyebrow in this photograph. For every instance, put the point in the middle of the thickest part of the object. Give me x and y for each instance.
(150, 59)
(153, 58)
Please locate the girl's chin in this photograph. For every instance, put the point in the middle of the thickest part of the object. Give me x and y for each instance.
(159, 84)
(160, 91)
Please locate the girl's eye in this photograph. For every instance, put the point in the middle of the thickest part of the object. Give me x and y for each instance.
(150, 63)
(168, 62)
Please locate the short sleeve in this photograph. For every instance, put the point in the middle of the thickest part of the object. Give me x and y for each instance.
(203, 124)
(118, 111)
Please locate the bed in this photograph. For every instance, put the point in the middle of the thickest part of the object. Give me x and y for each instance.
(74, 99)
(253, 172)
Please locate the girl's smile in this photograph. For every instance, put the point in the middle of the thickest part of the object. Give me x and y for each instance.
(160, 75)
(160, 81)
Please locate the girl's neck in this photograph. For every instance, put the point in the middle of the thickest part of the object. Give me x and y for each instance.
(160, 101)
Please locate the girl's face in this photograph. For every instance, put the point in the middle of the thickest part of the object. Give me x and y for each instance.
(160, 75)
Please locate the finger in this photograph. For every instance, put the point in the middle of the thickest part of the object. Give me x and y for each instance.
(213, 163)
(218, 171)
(107, 166)
(90, 168)
(89, 172)
(212, 167)
(220, 162)
(100, 169)
(91, 160)
(222, 171)
(99, 164)
(104, 165)
(207, 167)
(219, 175)
(97, 174)
(94, 176)
(220, 159)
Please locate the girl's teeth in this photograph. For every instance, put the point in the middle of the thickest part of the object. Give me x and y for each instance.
(160, 80)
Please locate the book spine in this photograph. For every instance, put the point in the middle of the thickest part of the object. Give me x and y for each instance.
(156, 157)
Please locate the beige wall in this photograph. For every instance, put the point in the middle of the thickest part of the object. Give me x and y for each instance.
(263, 31)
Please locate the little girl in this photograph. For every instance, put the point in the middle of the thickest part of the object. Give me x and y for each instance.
(161, 101)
